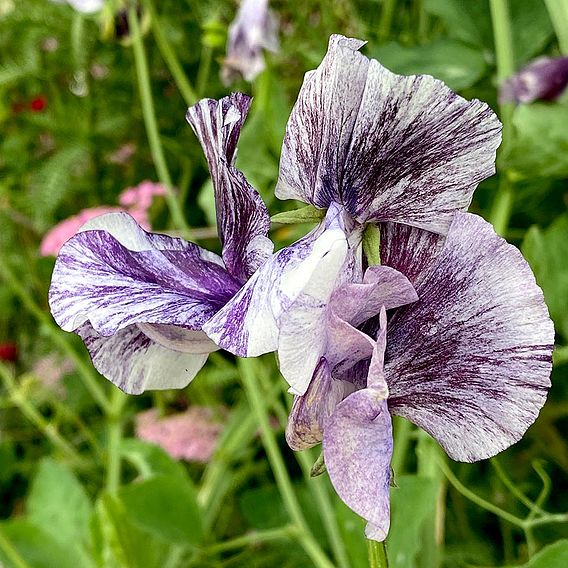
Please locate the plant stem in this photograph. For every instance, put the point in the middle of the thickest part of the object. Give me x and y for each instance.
(114, 433)
(169, 56)
(248, 370)
(386, 20)
(252, 538)
(89, 376)
(11, 553)
(204, 68)
(377, 554)
(504, 53)
(150, 122)
(402, 432)
(35, 417)
(558, 12)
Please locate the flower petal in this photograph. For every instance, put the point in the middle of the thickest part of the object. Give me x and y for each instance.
(243, 221)
(249, 325)
(138, 277)
(387, 147)
(310, 411)
(470, 361)
(358, 444)
(135, 363)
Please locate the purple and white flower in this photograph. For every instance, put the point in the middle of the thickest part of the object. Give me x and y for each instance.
(544, 78)
(139, 300)
(467, 355)
(253, 30)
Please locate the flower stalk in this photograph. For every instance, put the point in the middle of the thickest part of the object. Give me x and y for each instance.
(377, 554)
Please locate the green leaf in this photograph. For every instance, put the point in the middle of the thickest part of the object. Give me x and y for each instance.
(58, 503)
(540, 146)
(166, 508)
(119, 543)
(39, 548)
(546, 251)
(411, 505)
(458, 65)
(552, 556)
(307, 214)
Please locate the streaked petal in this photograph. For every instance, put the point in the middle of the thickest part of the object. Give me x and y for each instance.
(470, 361)
(139, 278)
(357, 447)
(387, 147)
(243, 221)
(135, 363)
(310, 411)
(249, 324)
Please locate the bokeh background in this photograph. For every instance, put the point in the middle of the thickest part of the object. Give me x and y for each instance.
(90, 477)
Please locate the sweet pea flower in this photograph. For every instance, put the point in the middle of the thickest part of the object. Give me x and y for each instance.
(544, 78)
(467, 355)
(139, 300)
(253, 30)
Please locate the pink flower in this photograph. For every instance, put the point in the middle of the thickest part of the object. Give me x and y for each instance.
(58, 235)
(141, 196)
(191, 435)
(50, 370)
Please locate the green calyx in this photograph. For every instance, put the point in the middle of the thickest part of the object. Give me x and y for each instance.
(372, 244)
(307, 214)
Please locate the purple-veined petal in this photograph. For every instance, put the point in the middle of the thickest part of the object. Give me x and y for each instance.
(408, 249)
(387, 147)
(249, 325)
(311, 410)
(120, 276)
(470, 361)
(134, 362)
(243, 221)
(357, 448)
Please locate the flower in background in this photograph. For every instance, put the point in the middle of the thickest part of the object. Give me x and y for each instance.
(253, 30)
(141, 196)
(467, 356)
(544, 78)
(139, 300)
(191, 435)
(38, 104)
(123, 154)
(50, 370)
(84, 6)
(8, 352)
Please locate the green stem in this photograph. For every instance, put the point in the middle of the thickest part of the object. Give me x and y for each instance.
(253, 538)
(377, 554)
(248, 370)
(204, 69)
(150, 122)
(114, 432)
(35, 417)
(90, 378)
(11, 553)
(385, 22)
(505, 57)
(402, 434)
(325, 508)
(558, 11)
(180, 78)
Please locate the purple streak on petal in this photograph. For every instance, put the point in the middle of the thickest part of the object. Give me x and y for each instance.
(470, 361)
(387, 147)
(243, 221)
(159, 280)
(544, 78)
(310, 411)
(408, 249)
(135, 363)
(358, 443)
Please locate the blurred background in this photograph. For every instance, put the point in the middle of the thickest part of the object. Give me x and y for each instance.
(90, 477)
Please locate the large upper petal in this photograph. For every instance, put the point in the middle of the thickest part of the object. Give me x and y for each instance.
(387, 147)
(134, 362)
(243, 221)
(470, 361)
(114, 274)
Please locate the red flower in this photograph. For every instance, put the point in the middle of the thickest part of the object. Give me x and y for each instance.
(38, 104)
(8, 352)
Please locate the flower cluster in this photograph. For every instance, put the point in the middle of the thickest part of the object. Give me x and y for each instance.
(449, 330)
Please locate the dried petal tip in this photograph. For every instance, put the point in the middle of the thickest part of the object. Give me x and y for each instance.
(544, 78)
